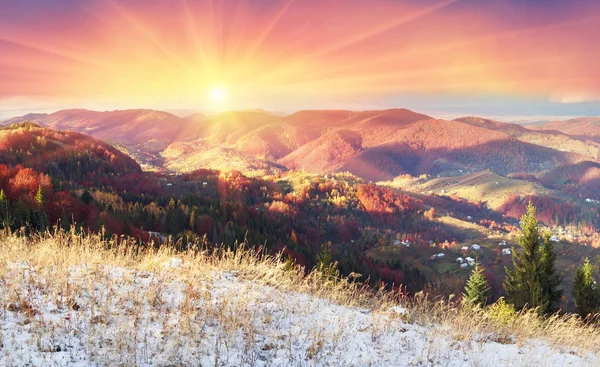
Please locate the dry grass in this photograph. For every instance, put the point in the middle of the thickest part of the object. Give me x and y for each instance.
(77, 298)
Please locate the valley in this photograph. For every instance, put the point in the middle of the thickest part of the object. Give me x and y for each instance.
(355, 183)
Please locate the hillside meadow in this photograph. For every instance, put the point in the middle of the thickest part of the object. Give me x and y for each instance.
(77, 299)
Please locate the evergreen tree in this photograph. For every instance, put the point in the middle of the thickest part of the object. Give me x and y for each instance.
(325, 263)
(477, 290)
(523, 284)
(550, 279)
(39, 196)
(64, 221)
(86, 197)
(4, 210)
(584, 290)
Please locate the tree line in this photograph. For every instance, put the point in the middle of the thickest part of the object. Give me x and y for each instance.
(533, 281)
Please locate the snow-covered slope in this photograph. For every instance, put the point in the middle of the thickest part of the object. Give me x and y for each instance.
(100, 314)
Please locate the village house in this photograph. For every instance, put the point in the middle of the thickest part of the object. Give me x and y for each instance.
(470, 261)
(437, 256)
(506, 252)
(475, 247)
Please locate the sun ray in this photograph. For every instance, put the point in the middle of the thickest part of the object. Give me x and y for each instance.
(382, 28)
(277, 49)
(259, 41)
(149, 35)
(482, 39)
(199, 44)
(54, 52)
(300, 64)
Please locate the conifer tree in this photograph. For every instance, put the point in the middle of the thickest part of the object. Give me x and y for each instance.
(64, 221)
(4, 212)
(529, 282)
(86, 197)
(325, 263)
(477, 290)
(39, 196)
(584, 290)
(550, 279)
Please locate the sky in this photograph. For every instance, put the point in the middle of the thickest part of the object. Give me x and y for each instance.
(444, 57)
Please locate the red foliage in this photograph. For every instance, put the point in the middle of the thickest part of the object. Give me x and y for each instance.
(550, 210)
(376, 199)
(23, 183)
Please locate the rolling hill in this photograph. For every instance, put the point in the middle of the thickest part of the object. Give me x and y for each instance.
(583, 126)
(484, 186)
(380, 148)
(125, 127)
(375, 145)
(43, 149)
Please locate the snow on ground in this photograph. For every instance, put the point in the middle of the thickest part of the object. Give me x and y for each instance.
(100, 315)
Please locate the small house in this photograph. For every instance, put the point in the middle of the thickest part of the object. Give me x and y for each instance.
(470, 261)
(440, 255)
(464, 248)
(503, 243)
(460, 260)
(475, 247)
(464, 265)
(554, 239)
(506, 252)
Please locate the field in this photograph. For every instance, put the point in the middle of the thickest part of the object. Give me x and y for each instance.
(484, 186)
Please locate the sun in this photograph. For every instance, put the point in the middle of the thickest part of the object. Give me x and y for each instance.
(217, 94)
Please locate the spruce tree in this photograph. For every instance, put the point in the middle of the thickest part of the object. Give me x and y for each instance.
(325, 263)
(550, 279)
(86, 197)
(477, 290)
(584, 290)
(4, 212)
(523, 284)
(64, 221)
(39, 196)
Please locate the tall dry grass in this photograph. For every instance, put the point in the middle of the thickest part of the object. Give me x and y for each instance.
(66, 269)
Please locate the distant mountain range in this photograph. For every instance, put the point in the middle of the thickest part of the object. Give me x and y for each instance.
(584, 127)
(376, 145)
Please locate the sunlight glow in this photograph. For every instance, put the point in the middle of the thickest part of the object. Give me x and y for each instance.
(165, 53)
(217, 95)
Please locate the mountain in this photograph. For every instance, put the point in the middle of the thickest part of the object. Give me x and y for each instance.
(583, 126)
(29, 117)
(509, 128)
(382, 146)
(125, 127)
(67, 154)
(376, 145)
